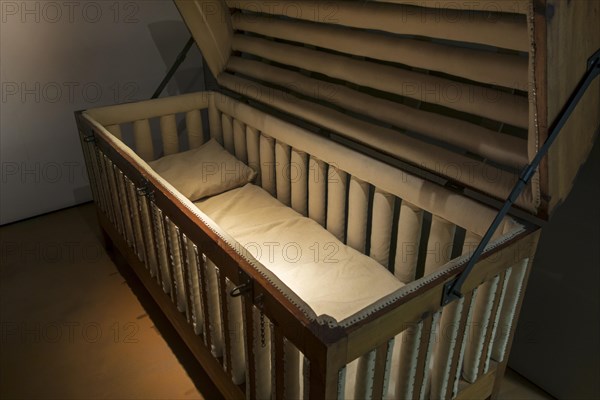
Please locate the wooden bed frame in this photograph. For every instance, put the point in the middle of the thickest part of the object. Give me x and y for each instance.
(328, 349)
(130, 199)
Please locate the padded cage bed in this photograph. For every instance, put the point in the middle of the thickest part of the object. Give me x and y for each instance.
(298, 241)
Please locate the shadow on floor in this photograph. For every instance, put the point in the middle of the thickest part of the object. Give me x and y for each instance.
(193, 368)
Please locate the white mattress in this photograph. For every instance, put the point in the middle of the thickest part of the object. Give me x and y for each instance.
(332, 278)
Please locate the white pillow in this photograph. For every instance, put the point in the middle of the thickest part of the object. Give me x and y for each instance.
(203, 171)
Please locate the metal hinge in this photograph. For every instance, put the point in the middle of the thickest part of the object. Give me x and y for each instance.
(245, 285)
(91, 138)
(144, 189)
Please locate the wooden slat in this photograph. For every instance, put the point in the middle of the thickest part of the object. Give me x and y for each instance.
(101, 167)
(445, 347)
(455, 359)
(121, 203)
(455, 384)
(177, 261)
(234, 328)
(194, 286)
(324, 381)
(410, 338)
(507, 320)
(494, 317)
(504, 30)
(137, 224)
(159, 245)
(292, 385)
(107, 172)
(186, 265)
(110, 173)
(501, 367)
(201, 261)
(225, 328)
(484, 306)
(278, 355)
(170, 247)
(125, 207)
(465, 97)
(421, 377)
(248, 320)
(363, 383)
(103, 172)
(381, 362)
(509, 70)
(150, 246)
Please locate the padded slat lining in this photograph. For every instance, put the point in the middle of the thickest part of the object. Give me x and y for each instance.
(168, 130)
(193, 124)
(509, 70)
(505, 149)
(473, 99)
(514, 6)
(465, 170)
(451, 206)
(465, 62)
(142, 133)
(500, 30)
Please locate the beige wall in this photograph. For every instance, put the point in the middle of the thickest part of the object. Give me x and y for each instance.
(58, 57)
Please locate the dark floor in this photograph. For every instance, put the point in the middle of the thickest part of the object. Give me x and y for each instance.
(74, 325)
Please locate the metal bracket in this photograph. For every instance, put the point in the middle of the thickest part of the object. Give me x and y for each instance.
(144, 190)
(452, 289)
(244, 287)
(90, 138)
(180, 57)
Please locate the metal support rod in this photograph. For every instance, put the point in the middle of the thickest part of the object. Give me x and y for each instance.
(174, 67)
(452, 289)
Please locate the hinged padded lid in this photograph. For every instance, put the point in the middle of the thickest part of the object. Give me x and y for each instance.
(463, 90)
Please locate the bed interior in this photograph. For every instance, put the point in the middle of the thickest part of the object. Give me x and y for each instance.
(410, 227)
